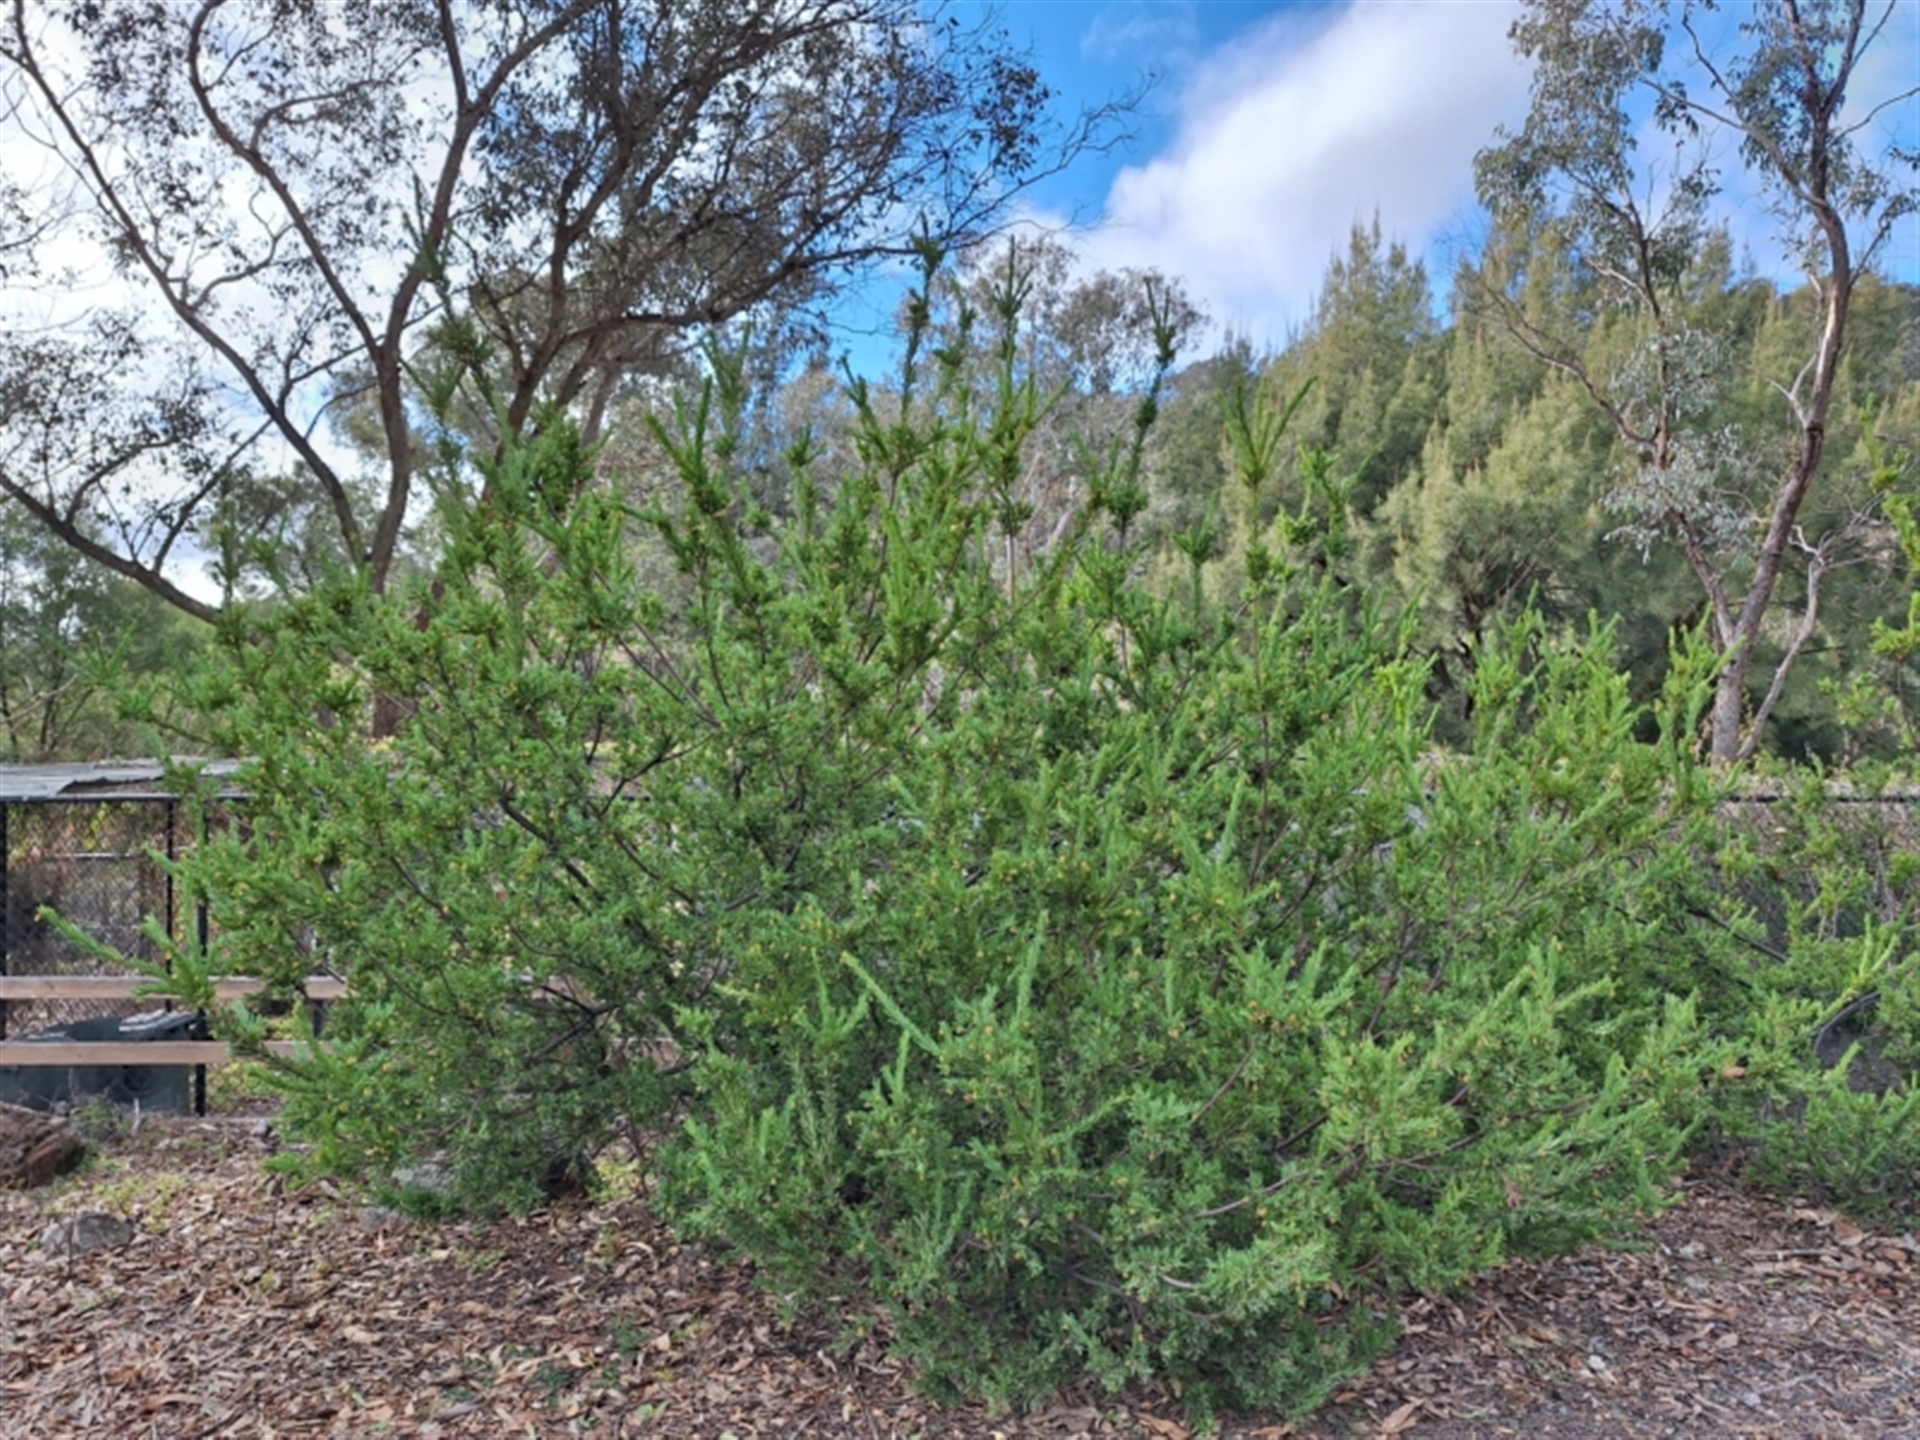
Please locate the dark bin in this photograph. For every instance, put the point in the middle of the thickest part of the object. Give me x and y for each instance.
(153, 1087)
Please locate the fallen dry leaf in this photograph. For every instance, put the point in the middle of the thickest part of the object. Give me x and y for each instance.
(1401, 1420)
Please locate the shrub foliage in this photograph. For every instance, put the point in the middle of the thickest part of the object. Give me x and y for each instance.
(1823, 877)
(1102, 982)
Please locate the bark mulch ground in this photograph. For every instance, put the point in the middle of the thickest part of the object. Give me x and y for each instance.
(247, 1307)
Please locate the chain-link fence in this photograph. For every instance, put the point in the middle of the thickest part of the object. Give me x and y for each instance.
(1839, 860)
(94, 856)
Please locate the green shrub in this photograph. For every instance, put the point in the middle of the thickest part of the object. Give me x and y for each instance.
(1107, 985)
(1856, 1149)
(1820, 873)
(1175, 1051)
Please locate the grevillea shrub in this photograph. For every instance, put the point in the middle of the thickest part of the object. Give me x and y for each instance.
(1102, 983)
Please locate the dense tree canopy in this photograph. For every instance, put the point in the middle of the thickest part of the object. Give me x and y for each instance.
(348, 249)
(1483, 479)
(64, 626)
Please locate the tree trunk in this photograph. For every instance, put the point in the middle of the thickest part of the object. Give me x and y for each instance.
(1729, 713)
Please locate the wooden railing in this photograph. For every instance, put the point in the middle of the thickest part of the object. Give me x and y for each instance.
(100, 988)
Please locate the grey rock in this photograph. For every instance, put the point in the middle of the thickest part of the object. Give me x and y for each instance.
(432, 1174)
(89, 1230)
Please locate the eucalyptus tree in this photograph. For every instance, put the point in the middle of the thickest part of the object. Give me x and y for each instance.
(1773, 105)
(1084, 355)
(243, 219)
(64, 626)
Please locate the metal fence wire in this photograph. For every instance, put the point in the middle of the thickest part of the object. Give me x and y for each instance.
(92, 859)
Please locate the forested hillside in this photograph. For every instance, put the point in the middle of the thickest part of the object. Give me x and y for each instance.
(1483, 479)
(1480, 479)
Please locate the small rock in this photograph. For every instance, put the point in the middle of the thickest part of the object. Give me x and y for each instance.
(90, 1230)
(433, 1174)
(1596, 1363)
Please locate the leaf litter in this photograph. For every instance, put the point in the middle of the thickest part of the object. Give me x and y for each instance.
(250, 1307)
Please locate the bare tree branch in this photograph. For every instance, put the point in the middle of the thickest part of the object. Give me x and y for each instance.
(319, 206)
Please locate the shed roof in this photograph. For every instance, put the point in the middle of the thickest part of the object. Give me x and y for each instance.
(104, 777)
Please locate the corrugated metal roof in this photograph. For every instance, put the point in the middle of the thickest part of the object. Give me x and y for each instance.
(46, 782)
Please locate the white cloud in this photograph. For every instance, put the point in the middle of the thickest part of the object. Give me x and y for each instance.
(1137, 29)
(1303, 128)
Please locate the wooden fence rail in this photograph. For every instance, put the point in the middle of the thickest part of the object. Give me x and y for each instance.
(49, 1053)
(135, 987)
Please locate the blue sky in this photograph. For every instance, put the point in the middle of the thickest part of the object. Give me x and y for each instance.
(1268, 130)
(1271, 128)
(1091, 49)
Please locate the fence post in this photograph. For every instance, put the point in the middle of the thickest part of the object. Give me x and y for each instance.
(6, 904)
(173, 932)
(173, 935)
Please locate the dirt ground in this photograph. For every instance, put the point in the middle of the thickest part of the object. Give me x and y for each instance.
(247, 1307)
